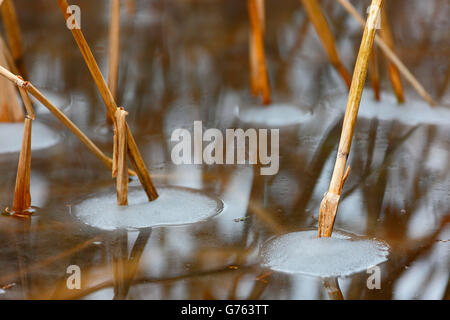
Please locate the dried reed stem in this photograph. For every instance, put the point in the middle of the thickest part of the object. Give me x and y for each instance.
(121, 158)
(394, 74)
(323, 30)
(13, 33)
(22, 197)
(61, 116)
(23, 93)
(111, 106)
(10, 109)
(330, 202)
(391, 55)
(374, 74)
(114, 49)
(259, 78)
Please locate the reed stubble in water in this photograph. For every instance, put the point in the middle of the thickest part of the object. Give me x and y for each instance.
(22, 197)
(323, 30)
(390, 55)
(259, 78)
(330, 202)
(111, 106)
(120, 168)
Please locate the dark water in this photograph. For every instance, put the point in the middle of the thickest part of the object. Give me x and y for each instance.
(188, 60)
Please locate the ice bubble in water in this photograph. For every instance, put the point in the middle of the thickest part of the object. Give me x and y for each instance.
(275, 115)
(174, 206)
(41, 137)
(412, 112)
(338, 256)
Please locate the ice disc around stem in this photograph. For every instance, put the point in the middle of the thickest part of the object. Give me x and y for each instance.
(174, 206)
(338, 256)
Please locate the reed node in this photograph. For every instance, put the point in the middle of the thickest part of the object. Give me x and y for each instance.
(323, 30)
(111, 106)
(330, 202)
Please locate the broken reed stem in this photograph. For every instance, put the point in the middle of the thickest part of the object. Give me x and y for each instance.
(330, 202)
(23, 93)
(394, 74)
(22, 197)
(374, 74)
(121, 158)
(10, 108)
(13, 33)
(259, 78)
(114, 49)
(111, 106)
(61, 116)
(323, 30)
(390, 55)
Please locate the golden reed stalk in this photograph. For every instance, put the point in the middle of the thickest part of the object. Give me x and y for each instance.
(330, 202)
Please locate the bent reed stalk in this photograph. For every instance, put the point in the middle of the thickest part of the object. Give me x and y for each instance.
(111, 106)
(60, 115)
